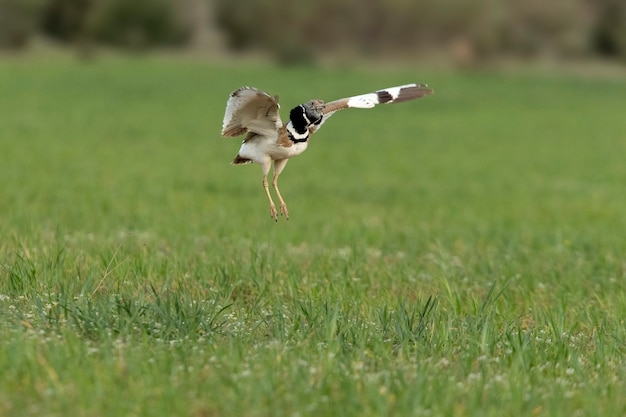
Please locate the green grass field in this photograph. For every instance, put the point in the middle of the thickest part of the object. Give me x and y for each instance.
(464, 254)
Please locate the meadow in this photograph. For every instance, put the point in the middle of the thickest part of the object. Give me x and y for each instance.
(464, 254)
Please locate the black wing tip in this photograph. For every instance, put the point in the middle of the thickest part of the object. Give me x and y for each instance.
(236, 92)
(384, 96)
(262, 93)
(425, 89)
(414, 91)
(403, 93)
(240, 89)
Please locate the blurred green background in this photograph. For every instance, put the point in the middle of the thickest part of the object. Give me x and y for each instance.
(459, 255)
(467, 32)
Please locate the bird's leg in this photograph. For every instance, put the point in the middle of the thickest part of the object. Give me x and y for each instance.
(283, 205)
(273, 212)
(279, 165)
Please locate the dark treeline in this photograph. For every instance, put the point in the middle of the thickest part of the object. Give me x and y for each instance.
(302, 31)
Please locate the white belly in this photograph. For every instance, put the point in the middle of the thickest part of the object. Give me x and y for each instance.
(262, 149)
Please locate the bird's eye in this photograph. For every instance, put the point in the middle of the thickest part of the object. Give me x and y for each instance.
(314, 117)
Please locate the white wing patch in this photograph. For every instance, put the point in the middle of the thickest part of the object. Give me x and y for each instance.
(365, 101)
(252, 110)
(389, 95)
(395, 92)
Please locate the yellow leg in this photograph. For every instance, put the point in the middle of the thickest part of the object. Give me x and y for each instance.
(278, 168)
(266, 169)
(273, 211)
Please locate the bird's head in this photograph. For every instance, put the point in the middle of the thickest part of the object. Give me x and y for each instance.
(307, 114)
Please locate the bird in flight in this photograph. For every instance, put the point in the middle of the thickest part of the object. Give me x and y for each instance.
(254, 113)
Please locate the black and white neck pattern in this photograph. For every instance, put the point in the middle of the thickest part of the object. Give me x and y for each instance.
(299, 123)
(295, 136)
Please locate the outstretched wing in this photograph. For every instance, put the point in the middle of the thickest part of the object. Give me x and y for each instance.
(366, 101)
(251, 110)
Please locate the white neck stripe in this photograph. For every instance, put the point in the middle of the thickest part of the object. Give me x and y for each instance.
(295, 134)
(308, 122)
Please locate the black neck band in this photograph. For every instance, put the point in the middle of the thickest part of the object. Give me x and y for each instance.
(294, 140)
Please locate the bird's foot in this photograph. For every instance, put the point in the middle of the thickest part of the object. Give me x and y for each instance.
(274, 213)
(284, 211)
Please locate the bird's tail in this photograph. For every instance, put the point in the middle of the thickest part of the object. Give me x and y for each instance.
(240, 161)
